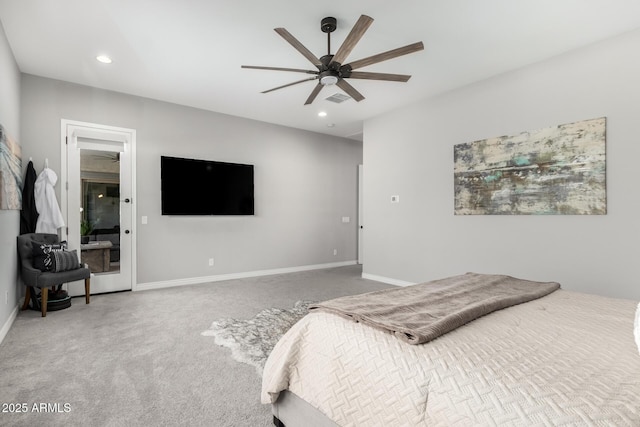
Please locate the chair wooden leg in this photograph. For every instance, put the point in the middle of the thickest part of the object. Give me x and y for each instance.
(27, 298)
(87, 289)
(43, 301)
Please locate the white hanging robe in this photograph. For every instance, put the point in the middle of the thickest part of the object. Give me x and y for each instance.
(50, 217)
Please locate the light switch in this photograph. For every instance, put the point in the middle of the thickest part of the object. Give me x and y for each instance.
(395, 199)
(144, 219)
(346, 219)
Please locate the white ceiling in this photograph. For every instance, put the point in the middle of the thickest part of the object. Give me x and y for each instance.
(190, 51)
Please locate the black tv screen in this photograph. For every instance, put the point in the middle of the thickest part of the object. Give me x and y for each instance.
(204, 187)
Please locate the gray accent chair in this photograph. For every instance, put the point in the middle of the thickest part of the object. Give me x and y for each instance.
(32, 277)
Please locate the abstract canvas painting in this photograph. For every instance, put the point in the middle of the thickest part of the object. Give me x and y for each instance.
(10, 172)
(559, 170)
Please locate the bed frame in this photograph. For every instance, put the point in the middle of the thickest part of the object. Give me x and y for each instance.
(291, 411)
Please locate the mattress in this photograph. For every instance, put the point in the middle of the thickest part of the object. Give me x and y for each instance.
(564, 359)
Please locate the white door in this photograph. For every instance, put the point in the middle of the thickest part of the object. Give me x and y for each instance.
(97, 203)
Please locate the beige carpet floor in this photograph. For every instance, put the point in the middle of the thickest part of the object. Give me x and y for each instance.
(139, 359)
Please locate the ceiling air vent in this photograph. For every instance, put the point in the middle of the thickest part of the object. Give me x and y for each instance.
(338, 98)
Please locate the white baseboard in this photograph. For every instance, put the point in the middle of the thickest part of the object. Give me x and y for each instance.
(231, 276)
(7, 325)
(388, 280)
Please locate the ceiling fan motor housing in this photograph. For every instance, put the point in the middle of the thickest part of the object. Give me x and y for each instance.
(333, 69)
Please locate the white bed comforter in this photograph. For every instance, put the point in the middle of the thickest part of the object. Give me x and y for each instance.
(565, 359)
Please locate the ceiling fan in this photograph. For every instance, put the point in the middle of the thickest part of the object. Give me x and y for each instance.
(330, 68)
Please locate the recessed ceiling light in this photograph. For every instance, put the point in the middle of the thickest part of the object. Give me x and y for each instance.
(104, 59)
(322, 114)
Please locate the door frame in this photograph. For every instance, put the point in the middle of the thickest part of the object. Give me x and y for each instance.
(360, 215)
(64, 124)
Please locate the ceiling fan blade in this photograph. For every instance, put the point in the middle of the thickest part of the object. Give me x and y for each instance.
(352, 39)
(379, 76)
(316, 90)
(384, 56)
(351, 91)
(298, 46)
(295, 70)
(290, 84)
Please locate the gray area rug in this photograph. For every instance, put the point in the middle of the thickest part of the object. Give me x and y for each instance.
(252, 340)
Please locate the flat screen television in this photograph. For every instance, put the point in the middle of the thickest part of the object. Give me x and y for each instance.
(205, 187)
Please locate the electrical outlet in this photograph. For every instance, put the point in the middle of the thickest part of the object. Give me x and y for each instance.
(335, 252)
(211, 262)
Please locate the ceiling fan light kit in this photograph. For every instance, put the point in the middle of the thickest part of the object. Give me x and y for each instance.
(328, 79)
(330, 67)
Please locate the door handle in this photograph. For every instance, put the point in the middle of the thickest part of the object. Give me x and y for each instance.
(127, 200)
(126, 232)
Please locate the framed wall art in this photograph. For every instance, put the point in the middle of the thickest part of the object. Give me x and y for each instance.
(10, 172)
(559, 170)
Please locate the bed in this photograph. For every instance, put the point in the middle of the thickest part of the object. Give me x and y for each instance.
(566, 358)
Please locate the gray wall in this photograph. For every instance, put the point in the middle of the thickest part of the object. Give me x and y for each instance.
(9, 219)
(410, 153)
(304, 182)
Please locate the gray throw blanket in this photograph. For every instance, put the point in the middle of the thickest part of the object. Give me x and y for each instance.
(420, 313)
